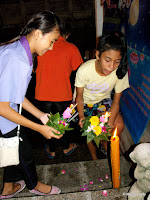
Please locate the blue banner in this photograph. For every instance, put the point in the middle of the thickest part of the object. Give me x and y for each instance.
(134, 19)
(135, 102)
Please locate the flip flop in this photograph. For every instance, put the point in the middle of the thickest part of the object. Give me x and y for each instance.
(71, 150)
(102, 149)
(48, 154)
(54, 190)
(22, 186)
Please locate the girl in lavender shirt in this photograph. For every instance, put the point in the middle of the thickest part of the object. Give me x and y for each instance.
(38, 36)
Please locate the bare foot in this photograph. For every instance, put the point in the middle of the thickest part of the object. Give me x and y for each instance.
(10, 188)
(71, 146)
(94, 157)
(41, 187)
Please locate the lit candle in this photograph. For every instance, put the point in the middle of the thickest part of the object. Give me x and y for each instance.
(115, 160)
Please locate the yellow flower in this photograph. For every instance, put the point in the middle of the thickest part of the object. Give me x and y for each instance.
(94, 120)
(97, 130)
(101, 108)
(90, 105)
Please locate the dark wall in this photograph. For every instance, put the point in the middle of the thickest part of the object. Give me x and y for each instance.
(80, 14)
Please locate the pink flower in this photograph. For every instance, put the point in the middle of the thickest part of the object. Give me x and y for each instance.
(62, 122)
(85, 188)
(67, 113)
(63, 171)
(100, 179)
(82, 189)
(104, 193)
(91, 182)
(103, 119)
(106, 176)
(104, 129)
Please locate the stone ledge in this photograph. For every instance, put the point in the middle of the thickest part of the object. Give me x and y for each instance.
(78, 174)
(112, 194)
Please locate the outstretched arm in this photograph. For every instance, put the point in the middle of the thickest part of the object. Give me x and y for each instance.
(7, 112)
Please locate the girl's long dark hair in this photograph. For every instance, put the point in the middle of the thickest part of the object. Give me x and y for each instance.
(46, 21)
(117, 42)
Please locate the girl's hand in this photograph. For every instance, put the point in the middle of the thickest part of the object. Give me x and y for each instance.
(80, 121)
(44, 118)
(47, 132)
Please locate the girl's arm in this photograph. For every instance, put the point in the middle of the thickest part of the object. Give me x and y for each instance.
(114, 108)
(80, 106)
(7, 112)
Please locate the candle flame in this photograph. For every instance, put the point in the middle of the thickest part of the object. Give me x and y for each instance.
(115, 132)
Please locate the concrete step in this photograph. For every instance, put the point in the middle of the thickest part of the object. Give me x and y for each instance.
(79, 175)
(112, 194)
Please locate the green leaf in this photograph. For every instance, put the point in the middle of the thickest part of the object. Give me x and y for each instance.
(55, 116)
(49, 123)
(57, 134)
(109, 134)
(54, 122)
(89, 138)
(97, 141)
(61, 126)
(69, 129)
(104, 137)
(84, 133)
(67, 126)
(86, 124)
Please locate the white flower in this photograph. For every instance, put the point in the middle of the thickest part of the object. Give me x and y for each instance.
(66, 123)
(101, 124)
(90, 128)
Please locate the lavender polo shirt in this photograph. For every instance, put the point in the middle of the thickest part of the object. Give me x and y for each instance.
(15, 75)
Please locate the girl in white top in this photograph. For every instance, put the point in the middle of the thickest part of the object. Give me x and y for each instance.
(96, 79)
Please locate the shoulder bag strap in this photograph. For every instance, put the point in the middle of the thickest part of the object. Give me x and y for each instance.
(18, 130)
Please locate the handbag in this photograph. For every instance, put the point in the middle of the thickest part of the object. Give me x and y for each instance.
(9, 148)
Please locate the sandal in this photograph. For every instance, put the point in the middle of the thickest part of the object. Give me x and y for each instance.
(74, 147)
(54, 190)
(102, 149)
(48, 154)
(22, 186)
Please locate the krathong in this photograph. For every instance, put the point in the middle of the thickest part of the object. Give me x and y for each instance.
(96, 128)
(61, 122)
